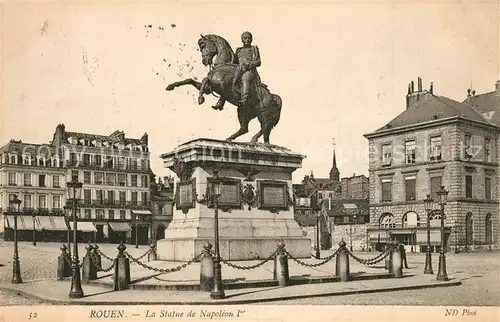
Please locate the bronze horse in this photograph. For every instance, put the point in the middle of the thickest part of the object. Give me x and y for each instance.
(261, 104)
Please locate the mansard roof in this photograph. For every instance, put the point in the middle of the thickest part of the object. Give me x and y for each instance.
(433, 108)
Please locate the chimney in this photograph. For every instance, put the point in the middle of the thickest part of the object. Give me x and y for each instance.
(431, 88)
(144, 139)
(414, 96)
(59, 135)
(497, 86)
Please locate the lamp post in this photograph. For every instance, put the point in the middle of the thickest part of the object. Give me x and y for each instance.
(456, 236)
(428, 256)
(67, 212)
(316, 206)
(34, 231)
(74, 192)
(16, 267)
(442, 275)
(136, 232)
(218, 289)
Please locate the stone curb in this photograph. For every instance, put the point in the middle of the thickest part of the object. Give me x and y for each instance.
(231, 285)
(225, 302)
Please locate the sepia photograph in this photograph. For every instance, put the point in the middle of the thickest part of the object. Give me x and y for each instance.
(250, 161)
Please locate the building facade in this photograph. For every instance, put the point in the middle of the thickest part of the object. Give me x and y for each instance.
(435, 142)
(31, 172)
(115, 173)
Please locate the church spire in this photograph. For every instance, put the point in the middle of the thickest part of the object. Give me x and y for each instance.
(334, 172)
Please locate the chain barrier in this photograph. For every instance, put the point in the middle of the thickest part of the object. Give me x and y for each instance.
(252, 266)
(143, 255)
(99, 265)
(104, 255)
(326, 259)
(372, 261)
(162, 270)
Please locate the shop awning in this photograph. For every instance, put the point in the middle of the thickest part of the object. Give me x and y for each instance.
(23, 222)
(86, 226)
(141, 212)
(45, 223)
(120, 226)
(58, 223)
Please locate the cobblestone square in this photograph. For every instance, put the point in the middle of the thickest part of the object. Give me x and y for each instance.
(478, 271)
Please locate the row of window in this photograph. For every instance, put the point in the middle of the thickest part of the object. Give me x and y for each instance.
(112, 179)
(435, 184)
(99, 161)
(99, 178)
(38, 180)
(101, 214)
(42, 202)
(108, 162)
(435, 150)
(110, 197)
(106, 144)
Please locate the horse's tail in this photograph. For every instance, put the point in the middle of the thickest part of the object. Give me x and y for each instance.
(276, 112)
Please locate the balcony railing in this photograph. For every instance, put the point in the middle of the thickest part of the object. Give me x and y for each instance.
(104, 166)
(112, 203)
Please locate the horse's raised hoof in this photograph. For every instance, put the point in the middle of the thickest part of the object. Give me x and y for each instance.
(229, 140)
(170, 87)
(217, 108)
(201, 100)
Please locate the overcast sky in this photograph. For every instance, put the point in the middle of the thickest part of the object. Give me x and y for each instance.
(342, 69)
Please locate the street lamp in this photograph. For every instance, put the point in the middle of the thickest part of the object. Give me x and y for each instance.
(136, 232)
(34, 231)
(428, 256)
(74, 192)
(442, 276)
(217, 289)
(316, 206)
(16, 267)
(67, 212)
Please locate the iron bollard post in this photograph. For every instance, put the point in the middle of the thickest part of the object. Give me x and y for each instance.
(206, 268)
(343, 262)
(89, 271)
(97, 257)
(152, 256)
(281, 272)
(63, 265)
(121, 277)
(397, 263)
(388, 259)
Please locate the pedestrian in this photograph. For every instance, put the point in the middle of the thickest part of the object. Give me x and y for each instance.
(403, 255)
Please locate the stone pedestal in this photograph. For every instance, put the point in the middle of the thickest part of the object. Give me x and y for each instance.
(255, 205)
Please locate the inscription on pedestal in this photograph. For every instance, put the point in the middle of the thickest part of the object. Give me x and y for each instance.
(230, 196)
(185, 195)
(273, 195)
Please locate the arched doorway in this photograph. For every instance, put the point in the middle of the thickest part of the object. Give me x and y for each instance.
(386, 222)
(160, 232)
(469, 229)
(488, 226)
(411, 221)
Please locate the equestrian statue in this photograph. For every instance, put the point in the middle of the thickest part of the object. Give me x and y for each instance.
(233, 76)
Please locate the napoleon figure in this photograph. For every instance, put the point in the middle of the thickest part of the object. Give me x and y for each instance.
(248, 59)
